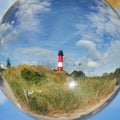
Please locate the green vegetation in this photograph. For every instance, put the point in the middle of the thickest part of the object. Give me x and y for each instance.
(8, 63)
(77, 74)
(49, 92)
(117, 74)
(32, 76)
(1, 69)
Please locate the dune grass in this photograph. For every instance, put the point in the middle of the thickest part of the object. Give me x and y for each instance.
(53, 95)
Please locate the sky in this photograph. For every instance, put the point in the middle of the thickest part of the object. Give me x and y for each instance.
(111, 112)
(37, 42)
(7, 110)
(40, 29)
(4, 5)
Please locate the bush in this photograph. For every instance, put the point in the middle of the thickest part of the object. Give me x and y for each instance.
(77, 74)
(117, 75)
(8, 63)
(38, 106)
(1, 69)
(33, 76)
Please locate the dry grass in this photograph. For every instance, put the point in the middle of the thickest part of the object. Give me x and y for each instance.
(54, 96)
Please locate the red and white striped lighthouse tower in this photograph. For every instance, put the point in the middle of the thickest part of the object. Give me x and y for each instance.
(60, 61)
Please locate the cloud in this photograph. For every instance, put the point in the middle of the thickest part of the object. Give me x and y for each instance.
(27, 20)
(91, 60)
(87, 44)
(7, 33)
(96, 25)
(113, 56)
(110, 59)
(36, 51)
(91, 48)
(4, 27)
(99, 35)
(2, 97)
(92, 64)
(97, 62)
(38, 56)
(29, 62)
(28, 11)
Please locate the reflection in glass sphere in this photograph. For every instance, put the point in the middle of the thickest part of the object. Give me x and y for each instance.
(48, 48)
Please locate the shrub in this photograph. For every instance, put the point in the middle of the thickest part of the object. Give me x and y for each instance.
(77, 74)
(33, 76)
(39, 106)
(117, 75)
(8, 63)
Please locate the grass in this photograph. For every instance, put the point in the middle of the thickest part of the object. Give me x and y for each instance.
(54, 96)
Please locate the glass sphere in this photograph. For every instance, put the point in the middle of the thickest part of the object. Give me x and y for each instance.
(57, 55)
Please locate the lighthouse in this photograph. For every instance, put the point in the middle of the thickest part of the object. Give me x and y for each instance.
(60, 61)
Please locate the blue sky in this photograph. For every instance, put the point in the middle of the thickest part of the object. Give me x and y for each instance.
(87, 32)
(111, 112)
(8, 111)
(90, 38)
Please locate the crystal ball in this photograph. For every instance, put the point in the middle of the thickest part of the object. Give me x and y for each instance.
(60, 57)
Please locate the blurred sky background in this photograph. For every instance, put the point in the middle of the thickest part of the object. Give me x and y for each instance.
(9, 112)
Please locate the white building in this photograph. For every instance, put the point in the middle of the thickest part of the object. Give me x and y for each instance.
(2, 66)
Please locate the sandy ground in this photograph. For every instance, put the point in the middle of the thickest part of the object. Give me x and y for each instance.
(81, 114)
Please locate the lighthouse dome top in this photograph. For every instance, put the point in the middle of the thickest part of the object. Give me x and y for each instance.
(60, 53)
